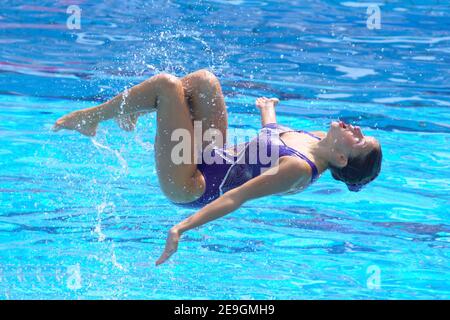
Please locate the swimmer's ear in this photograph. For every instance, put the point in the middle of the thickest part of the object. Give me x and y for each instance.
(339, 160)
(343, 160)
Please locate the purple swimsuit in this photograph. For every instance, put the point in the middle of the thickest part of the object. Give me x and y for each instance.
(229, 171)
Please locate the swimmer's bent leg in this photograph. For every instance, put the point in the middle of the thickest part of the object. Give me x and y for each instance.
(140, 98)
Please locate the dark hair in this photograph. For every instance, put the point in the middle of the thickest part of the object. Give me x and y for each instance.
(359, 171)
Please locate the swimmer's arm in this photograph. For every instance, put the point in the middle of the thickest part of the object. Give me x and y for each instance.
(267, 108)
(275, 180)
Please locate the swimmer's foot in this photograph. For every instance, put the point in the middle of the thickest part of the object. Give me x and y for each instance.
(80, 121)
(127, 122)
(264, 102)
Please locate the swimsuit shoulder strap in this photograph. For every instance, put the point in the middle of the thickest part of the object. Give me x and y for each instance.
(281, 129)
(309, 133)
(314, 170)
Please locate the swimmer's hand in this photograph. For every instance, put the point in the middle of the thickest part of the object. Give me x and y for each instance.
(171, 245)
(267, 108)
(264, 102)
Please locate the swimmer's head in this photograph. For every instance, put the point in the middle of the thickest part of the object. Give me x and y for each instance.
(356, 159)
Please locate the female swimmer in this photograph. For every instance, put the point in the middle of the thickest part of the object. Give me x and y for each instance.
(220, 187)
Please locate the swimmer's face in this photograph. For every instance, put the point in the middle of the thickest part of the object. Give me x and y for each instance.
(350, 140)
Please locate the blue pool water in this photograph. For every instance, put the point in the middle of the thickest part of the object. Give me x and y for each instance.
(85, 218)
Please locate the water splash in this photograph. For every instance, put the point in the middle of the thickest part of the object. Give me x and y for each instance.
(98, 227)
(123, 163)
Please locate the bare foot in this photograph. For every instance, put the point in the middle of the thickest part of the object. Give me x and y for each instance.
(127, 122)
(264, 102)
(79, 121)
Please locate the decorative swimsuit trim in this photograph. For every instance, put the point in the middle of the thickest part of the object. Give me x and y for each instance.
(239, 157)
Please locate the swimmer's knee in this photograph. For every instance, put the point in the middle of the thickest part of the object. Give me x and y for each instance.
(206, 78)
(167, 81)
(206, 74)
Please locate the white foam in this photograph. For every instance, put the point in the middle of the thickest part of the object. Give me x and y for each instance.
(384, 39)
(424, 58)
(352, 4)
(333, 95)
(398, 39)
(122, 161)
(413, 98)
(398, 80)
(355, 73)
